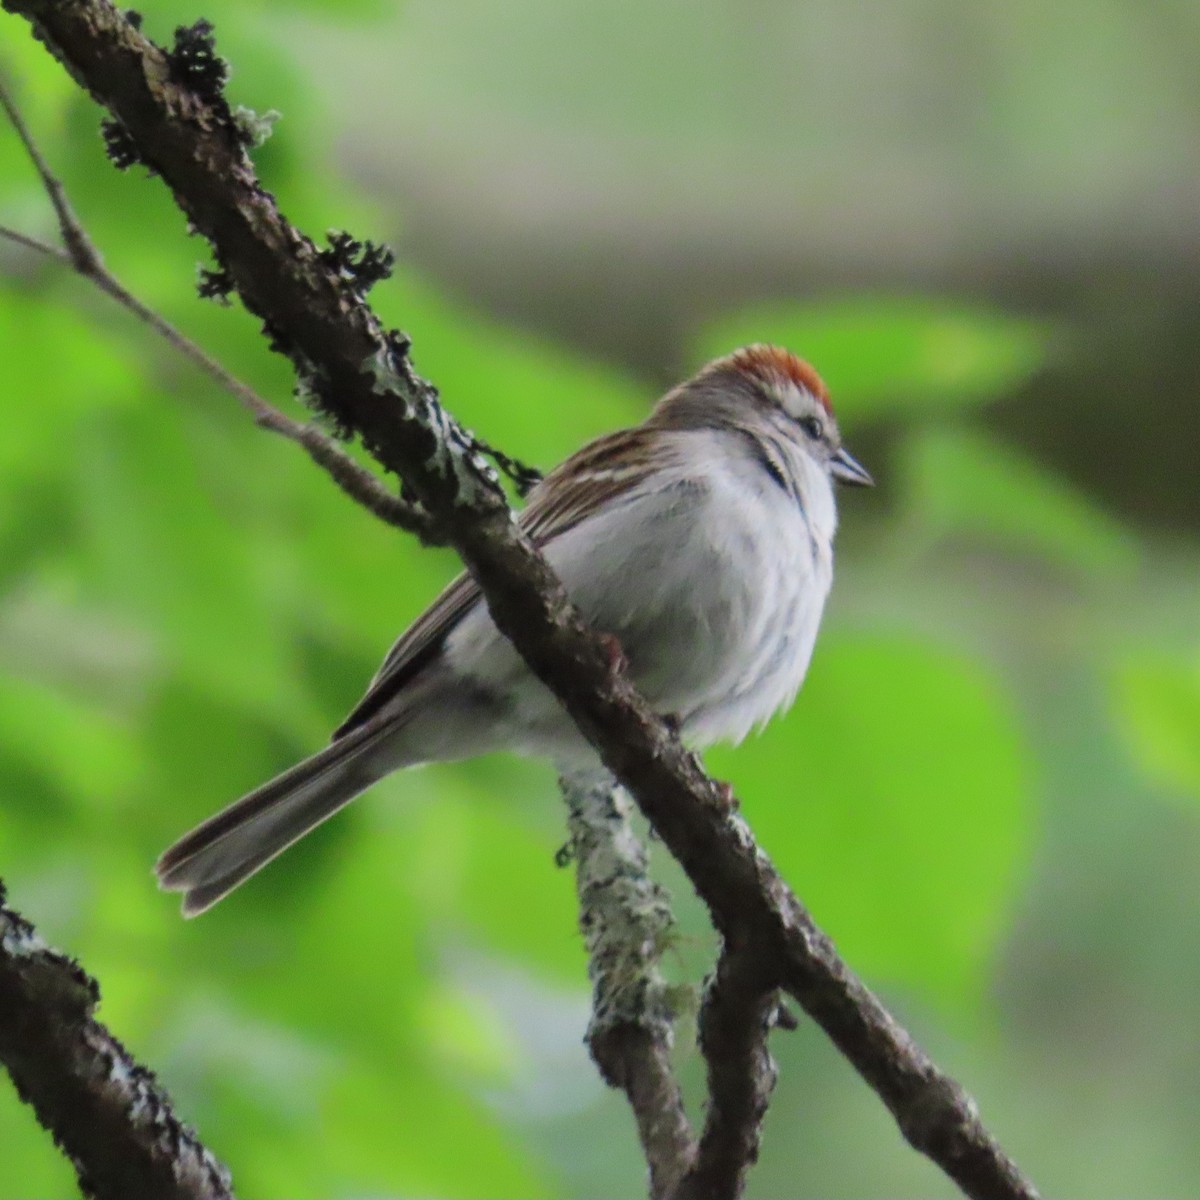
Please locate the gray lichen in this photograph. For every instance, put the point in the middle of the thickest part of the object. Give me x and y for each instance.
(254, 128)
(454, 457)
(625, 916)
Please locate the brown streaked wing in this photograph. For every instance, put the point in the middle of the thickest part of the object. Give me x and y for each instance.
(560, 502)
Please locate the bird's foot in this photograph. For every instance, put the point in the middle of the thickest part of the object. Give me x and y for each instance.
(617, 662)
(729, 800)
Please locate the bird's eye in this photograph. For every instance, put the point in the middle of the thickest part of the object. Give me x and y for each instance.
(812, 427)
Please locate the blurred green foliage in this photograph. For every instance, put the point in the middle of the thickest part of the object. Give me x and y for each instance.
(891, 356)
(870, 770)
(1160, 702)
(397, 1006)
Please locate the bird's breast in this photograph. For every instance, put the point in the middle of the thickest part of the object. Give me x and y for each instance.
(719, 595)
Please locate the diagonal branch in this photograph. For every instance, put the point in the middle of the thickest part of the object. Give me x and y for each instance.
(32, 243)
(176, 119)
(80, 251)
(106, 1111)
(82, 256)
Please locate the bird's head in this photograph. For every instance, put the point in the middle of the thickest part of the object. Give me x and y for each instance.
(773, 383)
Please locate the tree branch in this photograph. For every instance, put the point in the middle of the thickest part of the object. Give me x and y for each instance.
(171, 112)
(106, 1111)
(83, 257)
(741, 1006)
(626, 922)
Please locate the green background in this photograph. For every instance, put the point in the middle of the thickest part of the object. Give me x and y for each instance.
(974, 225)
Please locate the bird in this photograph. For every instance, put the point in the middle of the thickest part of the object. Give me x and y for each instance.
(701, 540)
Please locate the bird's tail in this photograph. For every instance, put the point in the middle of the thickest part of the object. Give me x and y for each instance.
(208, 863)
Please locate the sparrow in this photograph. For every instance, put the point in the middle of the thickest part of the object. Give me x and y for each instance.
(701, 539)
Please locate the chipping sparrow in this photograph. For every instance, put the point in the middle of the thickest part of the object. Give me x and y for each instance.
(702, 539)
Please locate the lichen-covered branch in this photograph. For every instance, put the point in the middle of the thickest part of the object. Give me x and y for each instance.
(168, 112)
(627, 923)
(82, 256)
(107, 1112)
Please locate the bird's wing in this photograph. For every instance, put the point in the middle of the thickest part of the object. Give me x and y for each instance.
(560, 502)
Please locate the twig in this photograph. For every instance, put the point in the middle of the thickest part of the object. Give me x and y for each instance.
(32, 243)
(79, 247)
(366, 380)
(81, 255)
(626, 922)
(106, 1111)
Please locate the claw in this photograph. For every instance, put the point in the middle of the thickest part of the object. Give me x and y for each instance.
(728, 798)
(617, 662)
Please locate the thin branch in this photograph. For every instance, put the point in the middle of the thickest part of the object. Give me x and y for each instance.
(362, 375)
(79, 246)
(81, 255)
(106, 1111)
(741, 1006)
(32, 243)
(626, 922)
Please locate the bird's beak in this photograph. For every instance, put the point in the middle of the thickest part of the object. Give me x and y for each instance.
(847, 469)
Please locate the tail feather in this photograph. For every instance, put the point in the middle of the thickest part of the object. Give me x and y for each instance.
(223, 852)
